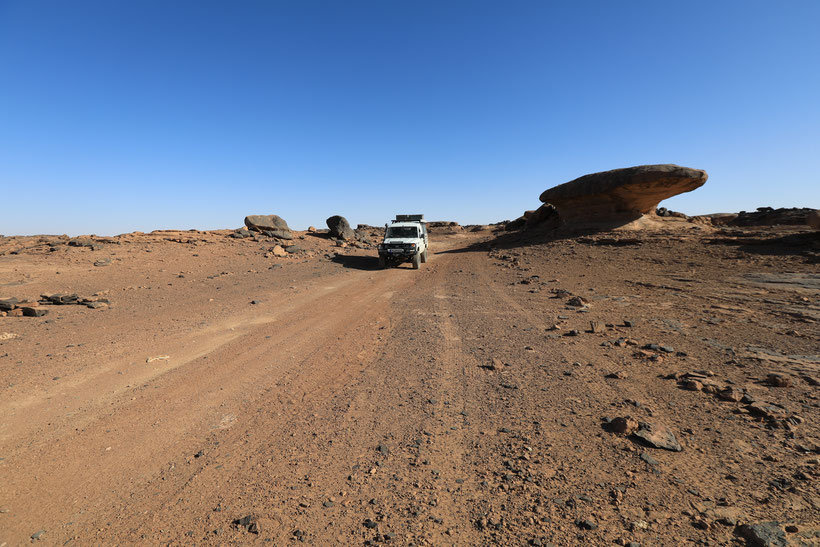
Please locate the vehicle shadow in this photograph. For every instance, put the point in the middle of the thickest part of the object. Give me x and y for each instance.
(355, 262)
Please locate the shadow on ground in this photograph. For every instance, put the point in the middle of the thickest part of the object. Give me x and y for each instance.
(805, 244)
(367, 263)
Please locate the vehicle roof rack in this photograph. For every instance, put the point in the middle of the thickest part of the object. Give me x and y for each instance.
(409, 218)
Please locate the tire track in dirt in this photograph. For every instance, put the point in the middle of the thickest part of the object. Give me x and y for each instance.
(167, 417)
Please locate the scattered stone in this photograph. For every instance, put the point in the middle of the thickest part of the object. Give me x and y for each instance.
(618, 375)
(768, 411)
(291, 249)
(573, 332)
(811, 380)
(648, 459)
(595, 327)
(36, 535)
(83, 242)
(577, 301)
(102, 262)
(494, 364)
(763, 534)
(629, 323)
(657, 436)
(626, 425)
(59, 299)
(8, 304)
(72, 299)
(692, 385)
(278, 250)
(249, 523)
(33, 312)
(370, 524)
(731, 394)
(586, 524)
(778, 380)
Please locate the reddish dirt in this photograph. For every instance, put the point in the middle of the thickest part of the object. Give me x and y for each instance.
(448, 405)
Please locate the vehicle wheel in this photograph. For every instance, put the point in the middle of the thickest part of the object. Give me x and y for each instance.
(382, 262)
(424, 256)
(416, 261)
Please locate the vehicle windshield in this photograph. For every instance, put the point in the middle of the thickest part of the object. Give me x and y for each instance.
(403, 232)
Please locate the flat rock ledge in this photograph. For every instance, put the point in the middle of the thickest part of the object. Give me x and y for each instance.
(613, 199)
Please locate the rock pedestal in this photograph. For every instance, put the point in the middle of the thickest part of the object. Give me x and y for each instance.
(614, 198)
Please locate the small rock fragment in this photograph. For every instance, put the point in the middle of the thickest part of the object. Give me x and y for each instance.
(778, 380)
(731, 394)
(763, 534)
(657, 436)
(625, 425)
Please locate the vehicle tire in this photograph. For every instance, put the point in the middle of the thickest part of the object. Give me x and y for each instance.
(382, 262)
(424, 256)
(416, 261)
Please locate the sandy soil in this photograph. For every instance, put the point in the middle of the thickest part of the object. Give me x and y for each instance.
(229, 396)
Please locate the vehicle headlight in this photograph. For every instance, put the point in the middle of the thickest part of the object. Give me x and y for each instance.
(412, 245)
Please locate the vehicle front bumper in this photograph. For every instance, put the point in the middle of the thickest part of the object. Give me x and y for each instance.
(397, 253)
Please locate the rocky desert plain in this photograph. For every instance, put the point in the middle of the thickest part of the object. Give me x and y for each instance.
(597, 372)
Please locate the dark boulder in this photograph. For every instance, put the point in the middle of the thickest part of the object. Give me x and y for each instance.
(270, 225)
(340, 228)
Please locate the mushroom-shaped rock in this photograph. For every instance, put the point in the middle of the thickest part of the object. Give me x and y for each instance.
(617, 197)
(340, 228)
(272, 225)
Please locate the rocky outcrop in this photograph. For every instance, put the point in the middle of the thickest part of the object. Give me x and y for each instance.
(769, 216)
(444, 227)
(813, 219)
(270, 225)
(340, 228)
(615, 198)
(546, 215)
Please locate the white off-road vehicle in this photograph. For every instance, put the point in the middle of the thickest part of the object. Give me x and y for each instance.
(405, 240)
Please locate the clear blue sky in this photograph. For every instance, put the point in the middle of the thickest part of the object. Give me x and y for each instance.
(118, 116)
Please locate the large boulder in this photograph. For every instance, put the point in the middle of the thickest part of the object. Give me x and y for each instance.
(340, 228)
(270, 225)
(813, 219)
(618, 197)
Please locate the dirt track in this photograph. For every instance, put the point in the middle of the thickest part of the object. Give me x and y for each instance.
(439, 406)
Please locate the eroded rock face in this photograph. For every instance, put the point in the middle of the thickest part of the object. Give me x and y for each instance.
(769, 216)
(271, 225)
(617, 197)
